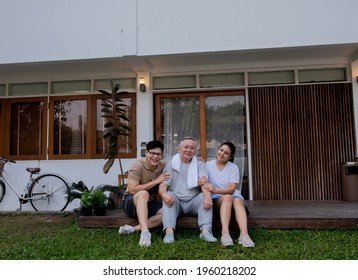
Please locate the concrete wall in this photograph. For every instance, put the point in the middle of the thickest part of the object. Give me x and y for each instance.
(41, 30)
(199, 26)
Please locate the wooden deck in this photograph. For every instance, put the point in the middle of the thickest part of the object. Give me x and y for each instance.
(263, 214)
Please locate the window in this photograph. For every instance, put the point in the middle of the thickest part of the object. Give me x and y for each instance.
(174, 82)
(61, 87)
(211, 118)
(126, 150)
(29, 89)
(69, 127)
(26, 128)
(2, 90)
(222, 80)
(322, 75)
(179, 117)
(2, 118)
(126, 83)
(60, 119)
(272, 77)
(72, 135)
(74, 131)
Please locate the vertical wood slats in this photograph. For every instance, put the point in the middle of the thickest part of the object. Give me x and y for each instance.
(300, 135)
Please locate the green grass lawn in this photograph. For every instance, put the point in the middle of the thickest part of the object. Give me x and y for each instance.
(58, 237)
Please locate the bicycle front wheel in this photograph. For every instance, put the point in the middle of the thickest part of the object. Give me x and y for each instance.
(49, 193)
(2, 190)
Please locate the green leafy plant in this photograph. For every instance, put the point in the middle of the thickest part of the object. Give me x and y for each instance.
(77, 189)
(115, 128)
(114, 193)
(87, 199)
(99, 198)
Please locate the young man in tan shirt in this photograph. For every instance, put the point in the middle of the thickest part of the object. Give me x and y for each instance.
(140, 199)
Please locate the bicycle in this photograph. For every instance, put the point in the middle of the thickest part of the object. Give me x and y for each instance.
(47, 192)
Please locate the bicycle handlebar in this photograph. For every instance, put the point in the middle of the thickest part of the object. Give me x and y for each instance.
(7, 160)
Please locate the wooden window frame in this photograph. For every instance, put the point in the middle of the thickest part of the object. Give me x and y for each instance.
(201, 96)
(133, 134)
(51, 154)
(2, 128)
(6, 114)
(48, 128)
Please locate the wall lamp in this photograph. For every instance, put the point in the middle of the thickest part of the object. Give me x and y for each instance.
(142, 86)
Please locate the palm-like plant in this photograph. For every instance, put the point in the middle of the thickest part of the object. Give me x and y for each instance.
(115, 114)
(76, 190)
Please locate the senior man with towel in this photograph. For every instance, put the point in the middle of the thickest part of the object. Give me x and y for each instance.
(182, 194)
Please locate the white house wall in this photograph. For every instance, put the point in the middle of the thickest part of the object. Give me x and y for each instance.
(41, 30)
(186, 26)
(88, 171)
(85, 30)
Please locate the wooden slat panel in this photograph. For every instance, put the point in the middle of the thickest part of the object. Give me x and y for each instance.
(300, 135)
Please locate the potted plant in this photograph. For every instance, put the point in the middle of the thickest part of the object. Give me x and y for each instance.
(86, 203)
(115, 195)
(115, 128)
(109, 195)
(76, 190)
(99, 201)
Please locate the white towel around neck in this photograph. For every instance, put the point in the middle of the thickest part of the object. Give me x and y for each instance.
(192, 179)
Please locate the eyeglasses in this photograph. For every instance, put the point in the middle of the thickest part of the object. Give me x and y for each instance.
(155, 154)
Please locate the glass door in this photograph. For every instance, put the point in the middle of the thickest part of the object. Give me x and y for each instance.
(211, 118)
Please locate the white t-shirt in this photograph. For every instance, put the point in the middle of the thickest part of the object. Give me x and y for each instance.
(221, 179)
(178, 180)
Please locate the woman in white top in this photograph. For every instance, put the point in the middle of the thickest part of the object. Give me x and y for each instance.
(224, 177)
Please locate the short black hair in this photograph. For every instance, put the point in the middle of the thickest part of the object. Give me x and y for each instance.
(155, 144)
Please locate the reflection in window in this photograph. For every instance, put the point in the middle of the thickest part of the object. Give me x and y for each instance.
(125, 145)
(1, 131)
(217, 118)
(26, 121)
(225, 121)
(70, 127)
(180, 118)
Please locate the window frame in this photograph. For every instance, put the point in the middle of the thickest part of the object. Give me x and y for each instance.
(201, 96)
(51, 154)
(47, 145)
(133, 126)
(2, 126)
(6, 126)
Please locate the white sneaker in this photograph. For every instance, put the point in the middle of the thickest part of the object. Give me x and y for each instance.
(208, 237)
(145, 239)
(246, 241)
(226, 240)
(126, 229)
(168, 238)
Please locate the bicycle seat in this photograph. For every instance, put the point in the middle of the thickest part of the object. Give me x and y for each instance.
(33, 170)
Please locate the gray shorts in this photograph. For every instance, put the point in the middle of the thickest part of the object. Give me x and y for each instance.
(130, 209)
